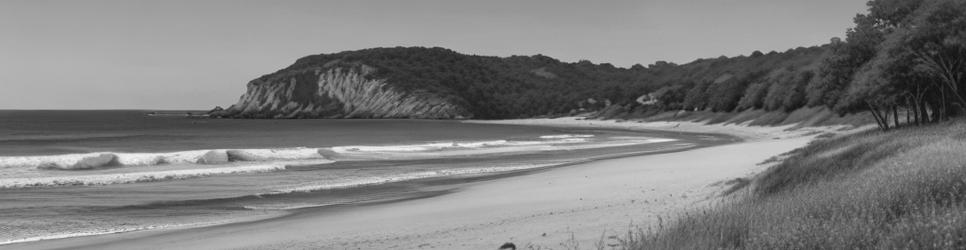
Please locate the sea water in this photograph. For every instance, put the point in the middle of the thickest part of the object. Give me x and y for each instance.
(76, 173)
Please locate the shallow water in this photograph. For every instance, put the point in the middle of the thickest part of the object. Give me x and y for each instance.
(157, 177)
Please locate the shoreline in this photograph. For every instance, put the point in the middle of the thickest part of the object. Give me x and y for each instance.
(451, 184)
(272, 222)
(266, 215)
(742, 130)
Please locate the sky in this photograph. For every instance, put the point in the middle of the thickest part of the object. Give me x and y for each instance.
(130, 54)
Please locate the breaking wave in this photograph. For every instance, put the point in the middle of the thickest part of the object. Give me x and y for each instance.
(101, 160)
(106, 168)
(148, 176)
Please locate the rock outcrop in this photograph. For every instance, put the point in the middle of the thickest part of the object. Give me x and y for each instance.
(336, 90)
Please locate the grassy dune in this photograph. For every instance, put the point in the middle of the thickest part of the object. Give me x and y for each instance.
(904, 189)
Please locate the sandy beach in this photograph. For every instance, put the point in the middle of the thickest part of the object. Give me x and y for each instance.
(584, 204)
(743, 130)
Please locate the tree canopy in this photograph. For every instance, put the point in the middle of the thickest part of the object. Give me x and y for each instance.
(903, 55)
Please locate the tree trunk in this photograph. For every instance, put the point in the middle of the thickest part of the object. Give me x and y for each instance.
(920, 104)
(936, 112)
(908, 113)
(878, 120)
(883, 123)
(915, 112)
(942, 105)
(885, 116)
(953, 85)
(895, 115)
(947, 70)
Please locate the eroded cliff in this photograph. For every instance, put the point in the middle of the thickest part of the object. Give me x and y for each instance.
(337, 90)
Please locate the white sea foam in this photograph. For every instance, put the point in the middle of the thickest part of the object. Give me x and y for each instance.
(565, 136)
(299, 153)
(464, 148)
(80, 234)
(119, 229)
(148, 176)
(71, 161)
(652, 140)
(286, 206)
(33, 171)
(88, 160)
(377, 180)
(456, 145)
(424, 147)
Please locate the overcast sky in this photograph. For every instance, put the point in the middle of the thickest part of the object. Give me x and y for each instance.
(83, 54)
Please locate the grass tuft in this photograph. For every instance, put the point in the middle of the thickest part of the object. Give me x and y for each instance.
(904, 189)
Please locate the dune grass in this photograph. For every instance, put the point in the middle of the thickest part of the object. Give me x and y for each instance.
(904, 189)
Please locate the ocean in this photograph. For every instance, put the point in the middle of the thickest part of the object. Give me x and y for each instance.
(76, 173)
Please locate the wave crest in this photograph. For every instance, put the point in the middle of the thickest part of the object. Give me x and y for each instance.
(90, 161)
(149, 176)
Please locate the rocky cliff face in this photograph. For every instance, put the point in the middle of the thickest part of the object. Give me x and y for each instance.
(337, 91)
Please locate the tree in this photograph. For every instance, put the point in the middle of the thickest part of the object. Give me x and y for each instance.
(754, 96)
(937, 39)
(917, 63)
(696, 98)
(872, 90)
(837, 70)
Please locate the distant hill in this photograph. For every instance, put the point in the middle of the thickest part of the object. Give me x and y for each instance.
(438, 83)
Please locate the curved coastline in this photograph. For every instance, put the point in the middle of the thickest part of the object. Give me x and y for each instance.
(454, 185)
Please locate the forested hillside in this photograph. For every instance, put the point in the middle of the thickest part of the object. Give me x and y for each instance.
(526, 86)
(903, 57)
(899, 189)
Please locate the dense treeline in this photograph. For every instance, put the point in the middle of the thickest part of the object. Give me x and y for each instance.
(773, 81)
(525, 86)
(903, 57)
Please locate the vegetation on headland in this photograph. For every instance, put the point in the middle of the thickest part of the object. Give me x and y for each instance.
(528, 86)
(903, 58)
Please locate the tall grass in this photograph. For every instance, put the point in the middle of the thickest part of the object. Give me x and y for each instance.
(904, 189)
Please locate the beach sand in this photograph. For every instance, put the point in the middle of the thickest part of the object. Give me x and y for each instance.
(744, 131)
(582, 204)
